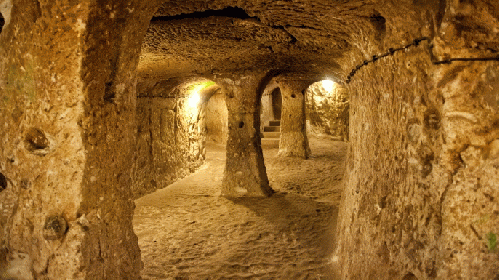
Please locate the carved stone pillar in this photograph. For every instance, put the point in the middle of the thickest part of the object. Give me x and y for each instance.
(245, 173)
(294, 141)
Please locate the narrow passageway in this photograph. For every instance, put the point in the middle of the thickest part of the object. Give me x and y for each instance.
(187, 231)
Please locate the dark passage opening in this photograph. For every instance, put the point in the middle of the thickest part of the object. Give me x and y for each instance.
(277, 103)
(3, 182)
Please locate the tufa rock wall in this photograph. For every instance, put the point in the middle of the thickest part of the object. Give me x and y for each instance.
(390, 219)
(327, 112)
(216, 118)
(68, 138)
(422, 173)
(171, 141)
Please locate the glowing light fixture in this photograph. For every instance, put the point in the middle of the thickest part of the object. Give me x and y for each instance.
(328, 85)
(194, 99)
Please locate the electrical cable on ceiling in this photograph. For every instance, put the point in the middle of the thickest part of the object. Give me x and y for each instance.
(416, 42)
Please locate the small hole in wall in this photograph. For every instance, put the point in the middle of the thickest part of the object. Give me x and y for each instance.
(293, 95)
(241, 124)
(3, 182)
(55, 227)
(109, 94)
(36, 140)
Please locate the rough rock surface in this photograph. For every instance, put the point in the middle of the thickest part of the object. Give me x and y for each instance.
(293, 141)
(216, 118)
(245, 173)
(421, 196)
(422, 171)
(327, 110)
(171, 137)
(67, 118)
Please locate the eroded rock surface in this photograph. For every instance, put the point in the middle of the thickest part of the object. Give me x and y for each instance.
(420, 199)
(327, 109)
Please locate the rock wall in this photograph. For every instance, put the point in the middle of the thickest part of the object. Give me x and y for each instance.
(216, 118)
(171, 141)
(42, 156)
(422, 178)
(327, 112)
(68, 123)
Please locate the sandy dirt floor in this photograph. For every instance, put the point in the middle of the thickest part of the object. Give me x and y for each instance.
(186, 231)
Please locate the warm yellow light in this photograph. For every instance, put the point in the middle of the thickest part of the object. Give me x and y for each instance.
(328, 85)
(194, 99)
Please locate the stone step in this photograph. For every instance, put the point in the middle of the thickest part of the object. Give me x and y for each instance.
(271, 135)
(270, 142)
(271, 129)
(274, 123)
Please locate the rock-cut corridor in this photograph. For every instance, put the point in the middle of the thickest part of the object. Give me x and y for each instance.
(187, 139)
(187, 231)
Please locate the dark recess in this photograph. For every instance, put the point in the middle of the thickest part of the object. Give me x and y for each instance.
(410, 276)
(232, 12)
(3, 182)
(109, 94)
(379, 24)
(2, 22)
(36, 140)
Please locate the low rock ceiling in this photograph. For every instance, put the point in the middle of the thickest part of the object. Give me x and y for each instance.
(199, 38)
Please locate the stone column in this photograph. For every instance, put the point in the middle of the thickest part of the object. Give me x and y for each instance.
(245, 173)
(294, 141)
(68, 138)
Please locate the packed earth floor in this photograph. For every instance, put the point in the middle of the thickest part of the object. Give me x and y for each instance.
(187, 231)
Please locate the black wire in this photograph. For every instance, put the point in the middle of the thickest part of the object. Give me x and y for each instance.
(416, 42)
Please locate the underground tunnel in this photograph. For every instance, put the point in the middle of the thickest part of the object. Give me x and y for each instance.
(263, 139)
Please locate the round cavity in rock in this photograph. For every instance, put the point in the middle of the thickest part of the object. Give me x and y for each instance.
(293, 95)
(241, 124)
(3, 182)
(36, 140)
(55, 227)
